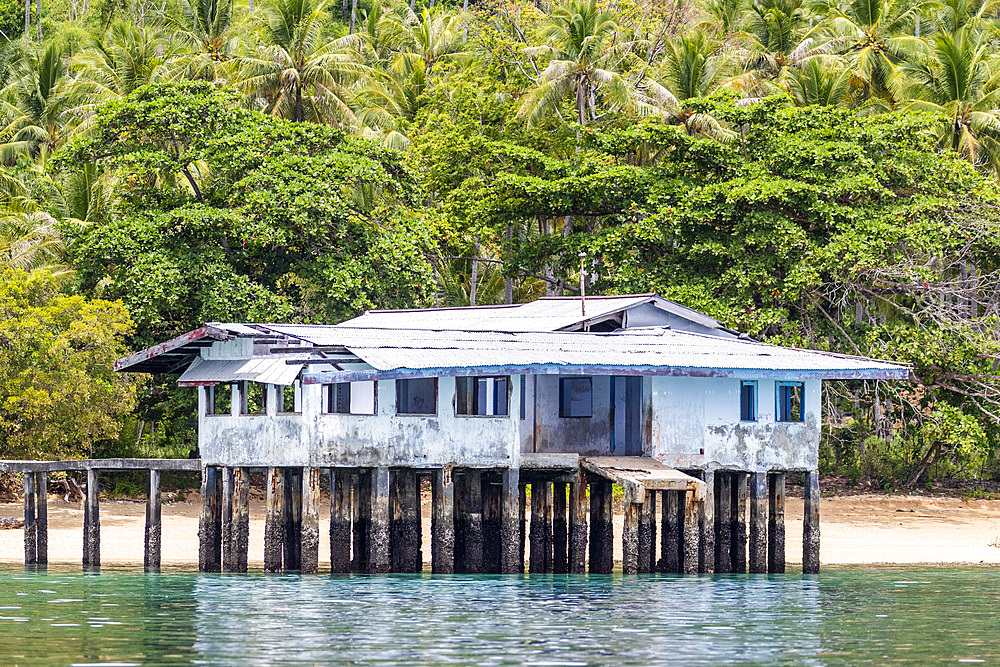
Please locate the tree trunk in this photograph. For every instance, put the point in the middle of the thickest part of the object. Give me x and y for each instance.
(474, 278)
(38, 19)
(932, 456)
(27, 19)
(354, 14)
(508, 282)
(345, 9)
(298, 103)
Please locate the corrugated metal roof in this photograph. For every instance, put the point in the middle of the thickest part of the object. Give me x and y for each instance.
(673, 352)
(547, 314)
(269, 370)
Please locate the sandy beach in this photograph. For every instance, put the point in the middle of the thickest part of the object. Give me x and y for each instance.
(856, 529)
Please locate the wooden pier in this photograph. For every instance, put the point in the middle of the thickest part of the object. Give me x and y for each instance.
(708, 521)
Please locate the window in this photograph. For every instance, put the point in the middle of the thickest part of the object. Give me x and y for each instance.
(790, 402)
(252, 398)
(289, 397)
(349, 398)
(576, 397)
(416, 397)
(482, 396)
(220, 399)
(748, 401)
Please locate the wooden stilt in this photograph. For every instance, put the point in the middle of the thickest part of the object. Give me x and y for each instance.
(511, 558)
(738, 532)
(92, 522)
(723, 522)
(292, 544)
(41, 518)
(758, 523)
(578, 525)
(472, 533)
(491, 526)
(30, 527)
(378, 542)
(560, 529)
(670, 545)
(210, 525)
(810, 524)
(362, 502)
(241, 519)
(630, 539)
(151, 552)
(522, 514)
(692, 513)
(706, 557)
(601, 527)
(776, 524)
(340, 520)
(274, 525)
(227, 519)
(443, 525)
(309, 545)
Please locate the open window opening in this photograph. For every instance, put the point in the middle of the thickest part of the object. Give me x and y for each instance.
(220, 399)
(290, 398)
(416, 397)
(790, 402)
(349, 398)
(748, 401)
(482, 396)
(253, 398)
(576, 397)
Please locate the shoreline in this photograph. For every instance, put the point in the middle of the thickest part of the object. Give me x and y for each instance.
(857, 529)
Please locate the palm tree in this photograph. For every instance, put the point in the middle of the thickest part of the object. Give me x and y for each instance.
(820, 80)
(431, 36)
(583, 64)
(391, 100)
(960, 79)
(207, 25)
(126, 58)
(297, 73)
(782, 35)
(45, 97)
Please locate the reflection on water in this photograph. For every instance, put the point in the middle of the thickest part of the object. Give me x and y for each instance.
(846, 616)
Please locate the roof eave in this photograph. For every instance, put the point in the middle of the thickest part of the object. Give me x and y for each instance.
(145, 361)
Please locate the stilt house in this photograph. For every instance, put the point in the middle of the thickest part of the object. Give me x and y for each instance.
(697, 423)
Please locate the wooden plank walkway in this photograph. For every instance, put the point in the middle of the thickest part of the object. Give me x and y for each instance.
(192, 465)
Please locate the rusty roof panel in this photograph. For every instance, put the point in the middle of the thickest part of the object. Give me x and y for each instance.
(269, 370)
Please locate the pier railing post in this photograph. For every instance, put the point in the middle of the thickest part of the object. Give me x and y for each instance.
(153, 534)
(30, 528)
(274, 524)
(706, 557)
(510, 522)
(758, 523)
(560, 528)
(776, 524)
(340, 520)
(92, 522)
(723, 522)
(443, 524)
(578, 524)
(378, 542)
(810, 524)
(309, 546)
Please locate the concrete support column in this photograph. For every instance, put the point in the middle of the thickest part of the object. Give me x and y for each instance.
(30, 527)
(706, 557)
(601, 527)
(522, 514)
(810, 524)
(491, 525)
(472, 521)
(692, 513)
(153, 535)
(540, 532)
(92, 522)
(723, 522)
(227, 519)
(739, 522)
(240, 539)
(776, 524)
(340, 520)
(362, 511)
(511, 556)
(671, 526)
(630, 538)
(560, 529)
(292, 544)
(647, 534)
(210, 524)
(758, 523)
(309, 545)
(404, 526)
(41, 518)
(443, 522)
(274, 524)
(378, 542)
(578, 525)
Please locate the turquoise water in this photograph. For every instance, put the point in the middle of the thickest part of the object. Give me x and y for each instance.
(845, 616)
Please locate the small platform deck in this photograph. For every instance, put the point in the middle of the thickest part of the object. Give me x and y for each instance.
(638, 474)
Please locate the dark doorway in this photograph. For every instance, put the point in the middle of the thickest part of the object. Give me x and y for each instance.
(626, 416)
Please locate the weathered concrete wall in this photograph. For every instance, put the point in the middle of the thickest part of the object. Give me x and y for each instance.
(385, 439)
(696, 424)
(582, 435)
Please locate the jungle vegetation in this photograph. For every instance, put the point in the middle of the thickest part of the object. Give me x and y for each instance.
(821, 174)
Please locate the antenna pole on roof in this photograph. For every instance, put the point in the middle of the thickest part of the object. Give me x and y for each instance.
(583, 284)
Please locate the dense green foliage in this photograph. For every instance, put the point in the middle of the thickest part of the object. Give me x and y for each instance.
(816, 174)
